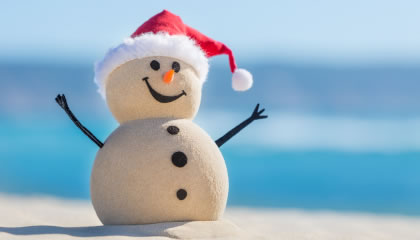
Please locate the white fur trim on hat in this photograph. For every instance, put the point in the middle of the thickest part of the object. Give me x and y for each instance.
(241, 80)
(147, 45)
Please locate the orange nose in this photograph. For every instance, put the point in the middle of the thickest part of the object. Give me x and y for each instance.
(169, 76)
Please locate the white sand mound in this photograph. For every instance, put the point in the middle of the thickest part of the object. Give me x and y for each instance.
(50, 218)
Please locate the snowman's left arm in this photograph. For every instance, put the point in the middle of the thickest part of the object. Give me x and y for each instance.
(256, 114)
(62, 101)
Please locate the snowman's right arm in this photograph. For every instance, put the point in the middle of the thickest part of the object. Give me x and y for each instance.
(256, 114)
(61, 100)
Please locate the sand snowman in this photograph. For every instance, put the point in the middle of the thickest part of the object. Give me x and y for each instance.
(158, 165)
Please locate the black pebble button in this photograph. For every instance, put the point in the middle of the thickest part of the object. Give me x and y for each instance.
(181, 194)
(173, 130)
(179, 159)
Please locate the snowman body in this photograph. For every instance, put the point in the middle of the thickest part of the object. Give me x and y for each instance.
(158, 170)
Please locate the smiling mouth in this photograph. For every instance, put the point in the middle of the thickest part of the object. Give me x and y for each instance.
(162, 98)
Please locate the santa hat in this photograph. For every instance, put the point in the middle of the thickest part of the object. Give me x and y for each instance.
(166, 35)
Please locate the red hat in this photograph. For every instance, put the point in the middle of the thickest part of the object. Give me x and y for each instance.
(166, 35)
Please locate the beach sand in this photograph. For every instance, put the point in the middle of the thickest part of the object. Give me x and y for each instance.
(52, 218)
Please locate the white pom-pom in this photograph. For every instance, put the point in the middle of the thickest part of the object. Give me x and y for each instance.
(241, 80)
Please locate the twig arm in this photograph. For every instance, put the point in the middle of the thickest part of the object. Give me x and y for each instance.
(256, 114)
(61, 100)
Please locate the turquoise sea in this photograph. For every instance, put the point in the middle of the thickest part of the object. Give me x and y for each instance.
(337, 138)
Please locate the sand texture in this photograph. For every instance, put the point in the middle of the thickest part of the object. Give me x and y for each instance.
(51, 218)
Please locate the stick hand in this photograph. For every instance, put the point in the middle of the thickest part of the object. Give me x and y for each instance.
(61, 100)
(257, 113)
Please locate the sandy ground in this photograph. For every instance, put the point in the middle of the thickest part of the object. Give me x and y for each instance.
(51, 218)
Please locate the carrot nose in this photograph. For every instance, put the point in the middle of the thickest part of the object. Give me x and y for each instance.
(169, 76)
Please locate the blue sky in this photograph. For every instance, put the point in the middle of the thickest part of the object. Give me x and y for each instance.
(304, 30)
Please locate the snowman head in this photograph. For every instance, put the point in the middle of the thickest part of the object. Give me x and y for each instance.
(153, 87)
(159, 70)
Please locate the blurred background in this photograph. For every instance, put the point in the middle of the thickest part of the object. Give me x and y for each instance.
(340, 81)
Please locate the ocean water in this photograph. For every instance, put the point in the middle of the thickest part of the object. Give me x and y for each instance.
(331, 142)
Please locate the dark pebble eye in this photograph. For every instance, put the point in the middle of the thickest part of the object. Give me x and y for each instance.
(155, 65)
(176, 67)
